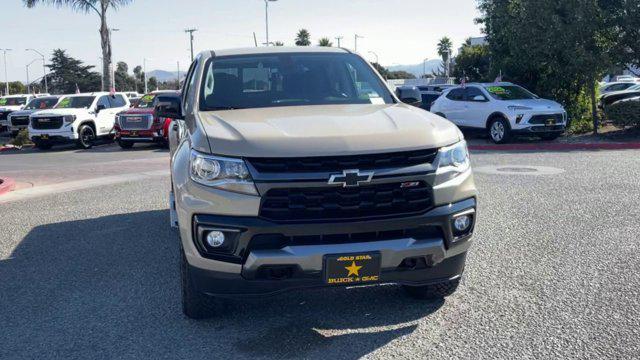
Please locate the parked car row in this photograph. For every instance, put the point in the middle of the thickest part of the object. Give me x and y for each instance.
(84, 118)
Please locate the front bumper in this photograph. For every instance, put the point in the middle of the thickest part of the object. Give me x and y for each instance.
(61, 135)
(440, 256)
(152, 135)
(539, 129)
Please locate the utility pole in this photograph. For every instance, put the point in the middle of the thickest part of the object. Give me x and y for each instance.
(338, 38)
(190, 31)
(44, 69)
(266, 19)
(424, 68)
(255, 40)
(355, 42)
(6, 80)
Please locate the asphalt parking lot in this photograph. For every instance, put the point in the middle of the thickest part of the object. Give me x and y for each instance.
(554, 273)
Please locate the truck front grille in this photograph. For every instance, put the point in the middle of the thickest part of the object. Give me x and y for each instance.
(4, 114)
(341, 204)
(46, 123)
(542, 119)
(19, 120)
(339, 163)
(135, 122)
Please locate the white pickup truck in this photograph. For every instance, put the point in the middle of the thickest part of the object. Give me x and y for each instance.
(79, 118)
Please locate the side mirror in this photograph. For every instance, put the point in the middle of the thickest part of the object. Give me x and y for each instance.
(100, 108)
(169, 109)
(409, 95)
(479, 98)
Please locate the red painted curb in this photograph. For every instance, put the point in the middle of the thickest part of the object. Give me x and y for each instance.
(6, 185)
(559, 146)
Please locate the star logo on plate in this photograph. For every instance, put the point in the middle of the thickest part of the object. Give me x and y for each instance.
(353, 269)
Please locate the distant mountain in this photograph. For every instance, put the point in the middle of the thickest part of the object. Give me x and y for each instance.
(163, 75)
(417, 69)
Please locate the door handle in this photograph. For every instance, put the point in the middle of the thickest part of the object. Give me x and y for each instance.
(175, 127)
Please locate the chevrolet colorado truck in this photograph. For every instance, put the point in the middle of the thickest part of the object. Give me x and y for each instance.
(298, 167)
(138, 124)
(79, 118)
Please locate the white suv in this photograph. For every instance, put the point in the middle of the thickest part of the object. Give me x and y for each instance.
(79, 118)
(503, 109)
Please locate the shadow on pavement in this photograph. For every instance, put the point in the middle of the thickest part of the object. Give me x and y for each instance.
(109, 287)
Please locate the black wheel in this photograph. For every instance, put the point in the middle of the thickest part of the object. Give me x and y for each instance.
(86, 136)
(43, 145)
(195, 305)
(435, 291)
(125, 144)
(499, 130)
(550, 136)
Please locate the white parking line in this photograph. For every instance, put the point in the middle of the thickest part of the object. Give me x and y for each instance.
(38, 191)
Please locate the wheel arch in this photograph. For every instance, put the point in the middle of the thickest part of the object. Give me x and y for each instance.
(497, 115)
(91, 123)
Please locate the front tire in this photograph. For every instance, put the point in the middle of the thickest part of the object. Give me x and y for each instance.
(195, 305)
(432, 292)
(86, 137)
(499, 131)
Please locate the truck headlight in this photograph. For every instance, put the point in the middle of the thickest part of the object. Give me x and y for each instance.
(221, 172)
(69, 119)
(453, 159)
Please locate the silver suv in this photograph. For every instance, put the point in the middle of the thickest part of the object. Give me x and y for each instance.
(298, 167)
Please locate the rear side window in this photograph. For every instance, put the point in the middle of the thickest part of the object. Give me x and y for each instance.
(117, 101)
(104, 101)
(472, 92)
(456, 95)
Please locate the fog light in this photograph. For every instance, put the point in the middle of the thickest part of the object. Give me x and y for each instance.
(462, 223)
(215, 239)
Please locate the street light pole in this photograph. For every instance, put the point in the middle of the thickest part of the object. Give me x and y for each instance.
(376, 55)
(113, 68)
(144, 71)
(101, 75)
(338, 38)
(28, 81)
(44, 69)
(6, 79)
(266, 19)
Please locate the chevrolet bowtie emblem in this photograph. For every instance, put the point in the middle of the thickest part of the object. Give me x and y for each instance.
(350, 178)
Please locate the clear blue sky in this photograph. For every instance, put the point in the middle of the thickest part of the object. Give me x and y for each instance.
(400, 32)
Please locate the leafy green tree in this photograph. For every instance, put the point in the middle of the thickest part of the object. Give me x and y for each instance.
(15, 87)
(124, 81)
(152, 83)
(66, 72)
(556, 48)
(278, 43)
(303, 38)
(100, 8)
(473, 63)
(384, 72)
(325, 42)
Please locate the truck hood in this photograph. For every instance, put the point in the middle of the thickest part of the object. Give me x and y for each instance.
(10, 108)
(60, 112)
(134, 111)
(536, 104)
(24, 112)
(324, 130)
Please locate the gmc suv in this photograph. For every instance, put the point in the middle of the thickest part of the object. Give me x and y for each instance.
(295, 168)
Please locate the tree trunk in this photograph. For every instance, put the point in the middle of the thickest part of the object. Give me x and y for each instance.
(105, 43)
(594, 109)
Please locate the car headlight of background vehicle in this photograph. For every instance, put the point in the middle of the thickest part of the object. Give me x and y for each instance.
(453, 160)
(221, 173)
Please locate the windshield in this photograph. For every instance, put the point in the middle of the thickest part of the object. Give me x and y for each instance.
(40, 104)
(146, 101)
(634, 87)
(75, 102)
(241, 82)
(509, 92)
(13, 101)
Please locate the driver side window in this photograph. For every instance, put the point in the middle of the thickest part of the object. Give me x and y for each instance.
(104, 101)
(474, 94)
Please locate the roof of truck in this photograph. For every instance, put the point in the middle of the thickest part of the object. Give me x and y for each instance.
(277, 50)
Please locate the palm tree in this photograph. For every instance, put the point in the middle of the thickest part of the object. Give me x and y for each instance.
(325, 42)
(99, 7)
(444, 50)
(302, 38)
